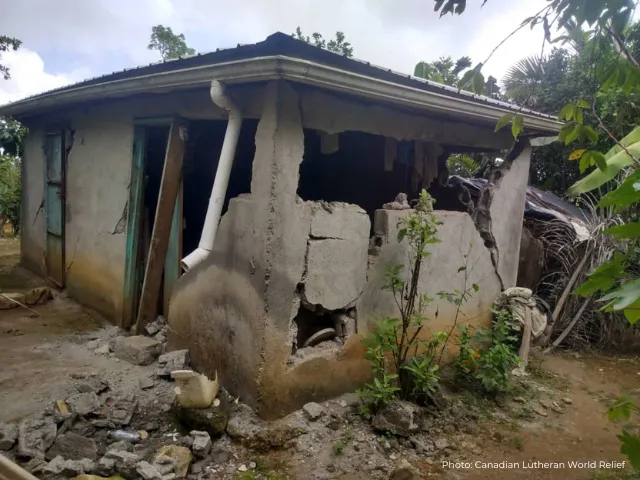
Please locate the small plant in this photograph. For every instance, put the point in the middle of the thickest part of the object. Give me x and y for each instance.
(516, 443)
(466, 361)
(492, 364)
(338, 448)
(629, 438)
(346, 438)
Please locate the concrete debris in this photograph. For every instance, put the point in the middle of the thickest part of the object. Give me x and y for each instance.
(313, 411)
(121, 445)
(164, 464)
(137, 350)
(8, 435)
(212, 419)
(540, 411)
(122, 409)
(72, 446)
(169, 362)
(156, 326)
(405, 471)
(567, 400)
(120, 462)
(441, 443)
(201, 445)
(84, 403)
(246, 427)
(400, 203)
(242, 468)
(398, 417)
(148, 471)
(103, 350)
(35, 435)
(146, 383)
(38, 296)
(181, 455)
(92, 384)
(68, 468)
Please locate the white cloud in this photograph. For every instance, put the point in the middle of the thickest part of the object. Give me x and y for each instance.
(28, 76)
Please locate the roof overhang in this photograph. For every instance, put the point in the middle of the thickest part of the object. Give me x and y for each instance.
(287, 68)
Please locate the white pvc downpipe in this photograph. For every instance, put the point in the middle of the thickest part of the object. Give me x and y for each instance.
(221, 180)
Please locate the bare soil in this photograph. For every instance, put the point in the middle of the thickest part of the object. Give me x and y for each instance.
(39, 353)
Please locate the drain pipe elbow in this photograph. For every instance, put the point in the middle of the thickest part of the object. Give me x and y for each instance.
(221, 181)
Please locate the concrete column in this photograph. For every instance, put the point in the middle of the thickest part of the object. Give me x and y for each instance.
(507, 210)
(279, 218)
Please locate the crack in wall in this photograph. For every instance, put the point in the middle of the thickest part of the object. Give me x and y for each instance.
(121, 226)
(482, 213)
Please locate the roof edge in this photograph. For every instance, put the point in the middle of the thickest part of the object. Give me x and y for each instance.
(280, 67)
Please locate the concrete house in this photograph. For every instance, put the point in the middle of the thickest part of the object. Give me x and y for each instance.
(272, 279)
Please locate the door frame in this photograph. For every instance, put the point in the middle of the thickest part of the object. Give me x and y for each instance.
(61, 132)
(133, 273)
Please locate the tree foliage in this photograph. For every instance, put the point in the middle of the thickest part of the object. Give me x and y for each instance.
(612, 69)
(338, 44)
(170, 45)
(6, 44)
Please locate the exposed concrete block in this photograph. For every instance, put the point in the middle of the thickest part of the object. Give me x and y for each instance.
(339, 220)
(138, 350)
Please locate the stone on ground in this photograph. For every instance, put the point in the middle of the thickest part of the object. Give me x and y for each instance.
(72, 446)
(211, 419)
(120, 462)
(137, 350)
(181, 456)
(148, 471)
(201, 445)
(121, 445)
(398, 417)
(122, 410)
(168, 362)
(8, 435)
(404, 471)
(92, 384)
(38, 296)
(313, 411)
(156, 326)
(62, 468)
(35, 435)
(84, 403)
(146, 383)
(245, 426)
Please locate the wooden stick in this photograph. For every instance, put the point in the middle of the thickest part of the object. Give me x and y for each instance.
(169, 185)
(569, 286)
(570, 327)
(18, 303)
(525, 345)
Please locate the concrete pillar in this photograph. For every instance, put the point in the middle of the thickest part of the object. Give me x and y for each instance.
(279, 219)
(507, 210)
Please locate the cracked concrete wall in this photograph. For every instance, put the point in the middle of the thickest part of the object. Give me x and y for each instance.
(507, 211)
(32, 235)
(458, 236)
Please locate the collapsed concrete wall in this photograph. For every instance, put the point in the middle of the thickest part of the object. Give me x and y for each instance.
(281, 264)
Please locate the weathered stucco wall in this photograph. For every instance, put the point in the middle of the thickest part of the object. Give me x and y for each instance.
(507, 211)
(32, 238)
(98, 171)
(439, 273)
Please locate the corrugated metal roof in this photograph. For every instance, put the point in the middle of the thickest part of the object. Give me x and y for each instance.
(285, 45)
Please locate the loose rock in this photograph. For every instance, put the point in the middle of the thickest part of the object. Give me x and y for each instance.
(313, 411)
(72, 446)
(120, 445)
(398, 417)
(68, 468)
(201, 445)
(35, 435)
(92, 384)
(146, 383)
(148, 471)
(404, 471)
(212, 419)
(181, 456)
(137, 350)
(84, 403)
(156, 326)
(168, 362)
(441, 443)
(246, 427)
(122, 409)
(540, 411)
(103, 350)
(8, 435)
(116, 461)
(567, 400)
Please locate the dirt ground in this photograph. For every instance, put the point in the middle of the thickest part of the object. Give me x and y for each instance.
(39, 352)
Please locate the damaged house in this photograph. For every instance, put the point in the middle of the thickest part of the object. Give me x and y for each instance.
(240, 193)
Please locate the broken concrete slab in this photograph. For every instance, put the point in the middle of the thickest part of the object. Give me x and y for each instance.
(213, 419)
(181, 456)
(94, 383)
(148, 471)
(137, 350)
(313, 411)
(121, 445)
(201, 445)
(35, 435)
(169, 362)
(398, 417)
(8, 435)
(84, 403)
(337, 256)
(122, 408)
(72, 446)
(156, 326)
(117, 461)
(68, 468)
(246, 427)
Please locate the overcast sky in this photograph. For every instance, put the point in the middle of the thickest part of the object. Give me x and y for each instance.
(65, 41)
